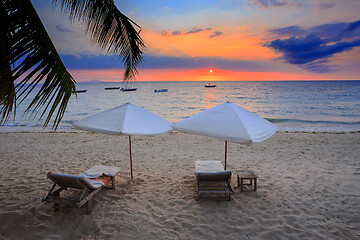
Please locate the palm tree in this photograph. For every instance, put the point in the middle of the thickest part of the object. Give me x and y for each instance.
(28, 56)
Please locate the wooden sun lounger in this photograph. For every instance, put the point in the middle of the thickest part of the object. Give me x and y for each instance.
(212, 179)
(89, 187)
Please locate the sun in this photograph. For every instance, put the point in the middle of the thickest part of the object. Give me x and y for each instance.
(211, 70)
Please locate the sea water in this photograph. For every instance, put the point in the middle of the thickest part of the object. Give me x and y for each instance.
(312, 106)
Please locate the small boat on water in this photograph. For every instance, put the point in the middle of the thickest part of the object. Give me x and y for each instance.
(209, 85)
(80, 91)
(112, 88)
(161, 90)
(128, 89)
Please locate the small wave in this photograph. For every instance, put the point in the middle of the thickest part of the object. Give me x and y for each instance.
(319, 129)
(10, 124)
(283, 120)
(19, 125)
(81, 114)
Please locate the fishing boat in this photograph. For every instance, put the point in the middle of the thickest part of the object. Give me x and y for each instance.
(209, 85)
(128, 89)
(112, 88)
(161, 90)
(80, 91)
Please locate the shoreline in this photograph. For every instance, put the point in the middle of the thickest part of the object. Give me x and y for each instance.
(308, 187)
(10, 129)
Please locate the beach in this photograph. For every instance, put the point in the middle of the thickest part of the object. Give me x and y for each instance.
(308, 187)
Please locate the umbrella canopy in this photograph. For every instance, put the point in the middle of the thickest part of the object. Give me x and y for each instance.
(228, 122)
(127, 119)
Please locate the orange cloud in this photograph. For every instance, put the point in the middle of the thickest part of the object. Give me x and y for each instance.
(234, 43)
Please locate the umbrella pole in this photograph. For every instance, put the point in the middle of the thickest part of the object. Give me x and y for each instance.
(130, 158)
(225, 153)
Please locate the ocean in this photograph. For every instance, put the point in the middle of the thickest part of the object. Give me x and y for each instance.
(309, 106)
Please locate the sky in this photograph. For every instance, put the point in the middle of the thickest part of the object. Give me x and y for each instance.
(240, 40)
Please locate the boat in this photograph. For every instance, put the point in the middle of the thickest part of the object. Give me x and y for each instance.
(80, 91)
(161, 90)
(128, 89)
(209, 85)
(112, 88)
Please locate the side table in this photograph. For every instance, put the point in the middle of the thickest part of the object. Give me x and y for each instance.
(246, 178)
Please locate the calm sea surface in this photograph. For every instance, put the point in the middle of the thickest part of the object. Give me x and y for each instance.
(293, 106)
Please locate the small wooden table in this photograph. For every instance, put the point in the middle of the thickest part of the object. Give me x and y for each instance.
(243, 176)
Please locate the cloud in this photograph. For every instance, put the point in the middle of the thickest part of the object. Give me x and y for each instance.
(153, 62)
(325, 5)
(62, 29)
(312, 48)
(164, 33)
(178, 32)
(96, 62)
(175, 33)
(320, 66)
(331, 31)
(274, 3)
(216, 33)
(195, 30)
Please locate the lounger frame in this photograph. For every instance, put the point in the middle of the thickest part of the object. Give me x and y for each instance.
(214, 184)
(79, 183)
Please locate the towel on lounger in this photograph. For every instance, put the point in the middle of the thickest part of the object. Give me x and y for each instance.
(100, 170)
(209, 167)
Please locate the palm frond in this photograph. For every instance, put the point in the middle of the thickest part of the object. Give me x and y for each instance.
(109, 29)
(28, 55)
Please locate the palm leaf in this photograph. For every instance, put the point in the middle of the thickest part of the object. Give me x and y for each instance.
(28, 55)
(109, 29)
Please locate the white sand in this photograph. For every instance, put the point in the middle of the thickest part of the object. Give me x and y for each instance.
(308, 187)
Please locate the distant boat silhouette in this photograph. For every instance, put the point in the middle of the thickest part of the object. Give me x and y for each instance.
(128, 89)
(209, 85)
(161, 90)
(79, 91)
(112, 88)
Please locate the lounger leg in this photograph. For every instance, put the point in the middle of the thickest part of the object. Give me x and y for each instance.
(56, 207)
(89, 206)
(57, 194)
(113, 182)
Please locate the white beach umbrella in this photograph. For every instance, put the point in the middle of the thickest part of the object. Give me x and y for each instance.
(228, 122)
(127, 119)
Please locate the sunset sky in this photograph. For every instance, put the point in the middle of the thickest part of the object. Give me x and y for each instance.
(238, 39)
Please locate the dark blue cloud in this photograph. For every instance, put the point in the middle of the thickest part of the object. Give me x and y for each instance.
(91, 62)
(62, 29)
(312, 48)
(216, 33)
(331, 31)
(155, 62)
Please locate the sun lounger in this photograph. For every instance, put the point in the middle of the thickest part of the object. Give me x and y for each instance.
(212, 179)
(90, 182)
